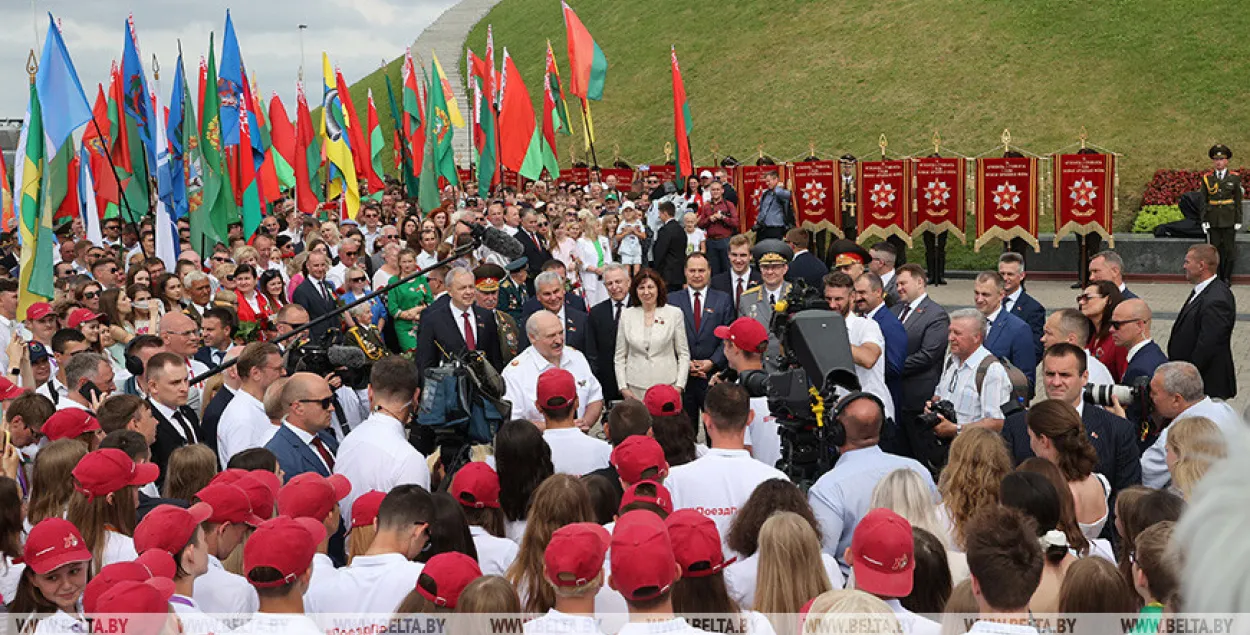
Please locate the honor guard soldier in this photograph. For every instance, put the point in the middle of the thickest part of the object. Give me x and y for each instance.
(773, 258)
(1222, 189)
(512, 290)
(487, 281)
(849, 191)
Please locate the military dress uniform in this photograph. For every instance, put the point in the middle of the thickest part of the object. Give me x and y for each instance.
(512, 295)
(488, 278)
(758, 302)
(1222, 211)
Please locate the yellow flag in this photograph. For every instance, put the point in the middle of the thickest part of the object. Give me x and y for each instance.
(453, 109)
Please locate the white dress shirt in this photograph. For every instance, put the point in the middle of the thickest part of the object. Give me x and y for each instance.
(494, 554)
(168, 413)
(575, 452)
(520, 378)
(1154, 467)
(959, 385)
(457, 314)
(243, 425)
(54, 384)
(718, 484)
(377, 455)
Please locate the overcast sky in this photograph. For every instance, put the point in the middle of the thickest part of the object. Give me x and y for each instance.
(358, 35)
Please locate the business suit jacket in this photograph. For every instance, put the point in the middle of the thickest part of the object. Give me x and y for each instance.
(755, 305)
(601, 334)
(1011, 339)
(438, 328)
(670, 254)
(1143, 364)
(1202, 335)
(808, 268)
(1034, 314)
(724, 281)
(212, 415)
(205, 356)
(536, 255)
(895, 352)
(168, 437)
(307, 296)
(296, 457)
(1127, 294)
(717, 311)
(927, 328)
(1113, 439)
(655, 355)
(532, 306)
(891, 291)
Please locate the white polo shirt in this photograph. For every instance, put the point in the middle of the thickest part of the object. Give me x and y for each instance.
(376, 455)
(194, 620)
(557, 623)
(220, 592)
(243, 425)
(285, 623)
(520, 377)
(494, 554)
(862, 330)
(371, 586)
(717, 484)
(575, 452)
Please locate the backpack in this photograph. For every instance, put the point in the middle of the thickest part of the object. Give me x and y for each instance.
(1019, 381)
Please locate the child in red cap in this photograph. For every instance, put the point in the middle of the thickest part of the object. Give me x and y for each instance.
(364, 517)
(104, 503)
(476, 488)
(573, 566)
(55, 576)
(219, 591)
(883, 561)
(180, 533)
(701, 590)
(278, 562)
(310, 495)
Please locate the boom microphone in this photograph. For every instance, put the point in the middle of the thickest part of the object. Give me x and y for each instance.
(496, 240)
(347, 357)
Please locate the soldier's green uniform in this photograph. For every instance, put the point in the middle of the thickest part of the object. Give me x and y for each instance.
(1222, 209)
(513, 294)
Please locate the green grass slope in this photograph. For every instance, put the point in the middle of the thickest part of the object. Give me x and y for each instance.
(1156, 80)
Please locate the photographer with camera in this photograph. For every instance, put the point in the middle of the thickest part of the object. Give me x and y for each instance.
(1130, 329)
(975, 397)
(1178, 392)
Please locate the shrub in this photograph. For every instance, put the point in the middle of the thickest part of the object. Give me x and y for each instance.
(1152, 216)
(1167, 186)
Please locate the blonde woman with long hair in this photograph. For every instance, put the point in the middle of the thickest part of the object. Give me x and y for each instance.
(596, 253)
(1194, 444)
(790, 571)
(905, 493)
(978, 462)
(560, 500)
(50, 489)
(838, 611)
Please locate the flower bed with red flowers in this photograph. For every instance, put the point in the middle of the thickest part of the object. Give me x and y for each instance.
(1167, 186)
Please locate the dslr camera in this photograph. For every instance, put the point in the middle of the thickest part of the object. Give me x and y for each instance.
(941, 407)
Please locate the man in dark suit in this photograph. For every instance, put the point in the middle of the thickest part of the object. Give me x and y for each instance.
(571, 300)
(304, 442)
(316, 294)
(669, 252)
(1019, 303)
(550, 296)
(217, 327)
(1203, 331)
(704, 310)
(1113, 438)
(1130, 329)
(176, 424)
(869, 297)
(533, 226)
(1008, 337)
(804, 266)
(1108, 265)
(457, 325)
(741, 275)
(927, 326)
(601, 327)
(217, 405)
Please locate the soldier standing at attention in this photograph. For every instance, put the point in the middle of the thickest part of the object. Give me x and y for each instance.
(773, 257)
(1223, 206)
(512, 290)
(487, 282)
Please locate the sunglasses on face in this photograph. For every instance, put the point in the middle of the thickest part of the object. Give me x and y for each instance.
(91, 295)
(1119, 324)
(1086, 297)
(325, 404)
(360, 279)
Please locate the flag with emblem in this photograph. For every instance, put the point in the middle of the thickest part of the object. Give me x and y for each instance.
(376, 145)
(219, 208)
(334, 139)
(440, 158)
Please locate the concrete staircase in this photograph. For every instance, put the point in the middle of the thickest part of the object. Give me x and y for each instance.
(445, 37)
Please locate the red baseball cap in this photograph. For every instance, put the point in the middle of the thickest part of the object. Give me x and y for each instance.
(170, 527)
(229, 503)
(80, 315)
(154, 565)
(745, 333)
(38, 311)
(68, 423)
(662, 400)
(261, 488)
(144, 606)
(10, 390)
(103, 472)
(365, 508)
(476, 485)
(662, 498)
(445, 576)
(53, 543)
(556, 388)
(643, 564)
(575, 554)
(696, 543)
(883, 554)
(311, 495)
(283, 543)
(637, 454)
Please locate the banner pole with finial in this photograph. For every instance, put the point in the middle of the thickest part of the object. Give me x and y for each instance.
(937, 142)
(882, 143)
(1006, 139)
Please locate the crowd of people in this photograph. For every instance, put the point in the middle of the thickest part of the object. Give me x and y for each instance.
(984, 465)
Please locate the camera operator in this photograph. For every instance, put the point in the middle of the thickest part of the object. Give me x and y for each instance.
(974, 404)
(1178, 392)
(1130, 329)
(745, 343)
(867, 343)
(1064, 376)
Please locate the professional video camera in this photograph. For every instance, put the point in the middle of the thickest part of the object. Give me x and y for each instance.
(461, 404)
(815, 361)
(323, 358)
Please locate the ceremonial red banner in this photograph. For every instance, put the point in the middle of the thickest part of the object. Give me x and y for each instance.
(884, 199)
(1084, 195)
(938, 200)
(1006, 200)
(576, 176)
(465, 175)
(665, 172)
(510, 179)
(817, 195)
(624, 176)
(750, 185)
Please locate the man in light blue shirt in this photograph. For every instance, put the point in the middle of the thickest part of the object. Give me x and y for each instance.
(841, 497)
(1178, 393)
(776, 215)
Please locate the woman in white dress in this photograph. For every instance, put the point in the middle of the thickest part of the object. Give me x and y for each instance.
(595, 252)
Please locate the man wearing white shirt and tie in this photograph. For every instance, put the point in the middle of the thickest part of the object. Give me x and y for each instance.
(176, 424)
(244, 424)
(315, 293)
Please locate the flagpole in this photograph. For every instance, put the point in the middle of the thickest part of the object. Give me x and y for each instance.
(590, 140)
(472, 110)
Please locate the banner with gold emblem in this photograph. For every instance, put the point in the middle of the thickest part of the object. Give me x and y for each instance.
(624, 176)
(1007, 205)
(938, 199)
(815, 185)
(750, 185)
(884, 199)
(1084, 190)
(575, 176)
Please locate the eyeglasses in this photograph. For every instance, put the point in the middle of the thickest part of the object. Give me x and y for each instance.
(1119, 324)
(190, 333)
(293, 327)
(91, 295)
(220, 259)
(359, 279)
(325, 403)
(1085, 297)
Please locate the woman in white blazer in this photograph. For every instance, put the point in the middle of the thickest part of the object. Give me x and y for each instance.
(651, 343)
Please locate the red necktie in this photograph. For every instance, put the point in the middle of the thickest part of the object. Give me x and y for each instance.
(698, 312)
(469, 340)
(324, 452)
(738, 293)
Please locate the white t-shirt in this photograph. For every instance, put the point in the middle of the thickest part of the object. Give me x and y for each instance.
(675, 626)
(10, 575)
(717, 484)
(494, 554)
(372, 586)
(912, 623)
(575, 452)
(285, 623)
(762, 434)
(514, 530)
(741, 576)
(630, 245)
(117, 548)
(60, 623)
(194, 620)
(220, 592)
(694, 240)
(862, 330)
(557, 623)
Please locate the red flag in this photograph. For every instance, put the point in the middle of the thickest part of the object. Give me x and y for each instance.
(516, 117)
(304, 138)
(355, 137)
(281, 130)
(416, 134)
(96, 139)
(477, 68)
(121, 141)
(375, 179)
(70, 207)
(1084, 195)
(1007, 200)
(681, 123)
(939, 196)
(816, 195)
(270, 188)
(199, 125)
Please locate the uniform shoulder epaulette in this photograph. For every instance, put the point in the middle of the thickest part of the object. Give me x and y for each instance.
(754, 289)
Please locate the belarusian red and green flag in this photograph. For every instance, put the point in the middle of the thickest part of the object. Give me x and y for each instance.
(250, 200)
(485, 137)
(553, 120)
(681, 123)
(282, 136)
(520, 138)
(414, 115)
(307, 157)
(588, 68)
(376, 145)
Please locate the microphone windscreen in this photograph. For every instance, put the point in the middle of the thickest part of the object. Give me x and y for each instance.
(507, 246)
(347, 356)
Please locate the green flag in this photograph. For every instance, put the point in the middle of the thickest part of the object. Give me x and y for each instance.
(28, 181)
(440, 158)
(219, 204)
